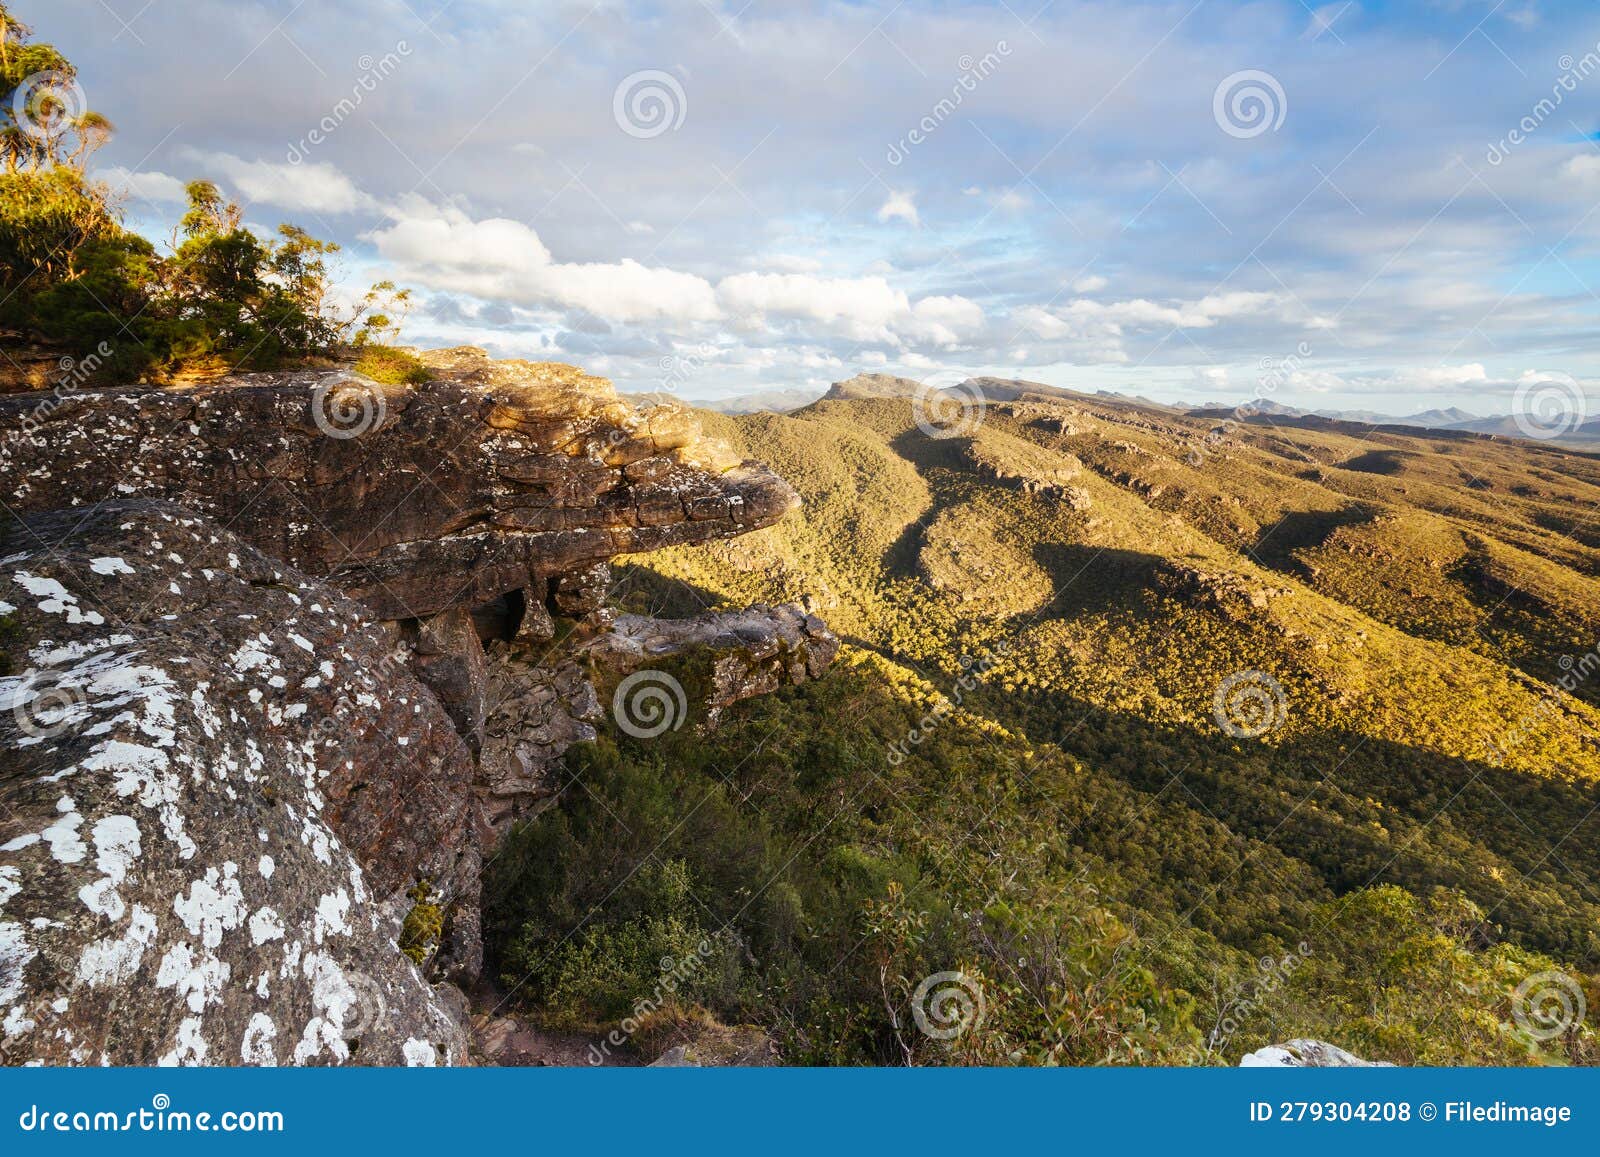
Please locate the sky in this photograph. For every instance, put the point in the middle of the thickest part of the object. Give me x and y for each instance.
(1369, 205)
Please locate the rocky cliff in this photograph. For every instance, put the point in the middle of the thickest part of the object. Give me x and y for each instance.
(284, 654)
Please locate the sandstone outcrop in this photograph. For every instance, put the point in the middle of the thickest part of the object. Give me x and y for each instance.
(283, 654)
(415, 499)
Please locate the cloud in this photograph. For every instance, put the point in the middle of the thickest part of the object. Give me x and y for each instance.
(862, 307)
(158, 188)
(310, 188)
(1357, 208)
(899, 207)
(441, 247)
(866, 309)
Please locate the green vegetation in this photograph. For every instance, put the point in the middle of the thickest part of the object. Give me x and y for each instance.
(74, 280)
(390, 366)
(423, 925)
(1414, 831)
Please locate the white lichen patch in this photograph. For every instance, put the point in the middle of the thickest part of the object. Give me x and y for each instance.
(213, 906)
(15, 952)
(419, 1053)
(258, 1037)
(114, 960)
(55, 599)
(265, 924)
(66, 846)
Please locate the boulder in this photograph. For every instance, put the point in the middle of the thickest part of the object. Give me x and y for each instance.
(1309, 1054)
(219, 787)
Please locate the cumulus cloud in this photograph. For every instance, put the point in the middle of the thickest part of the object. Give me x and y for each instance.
(1084, 327)
(861, 308)
(441, 247)
(311, 188)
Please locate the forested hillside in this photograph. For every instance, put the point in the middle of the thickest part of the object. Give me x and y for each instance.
(1172, 738)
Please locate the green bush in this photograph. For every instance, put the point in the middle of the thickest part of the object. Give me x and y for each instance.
(391, 366)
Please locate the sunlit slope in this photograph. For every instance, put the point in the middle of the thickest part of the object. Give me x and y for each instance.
(1399, 607)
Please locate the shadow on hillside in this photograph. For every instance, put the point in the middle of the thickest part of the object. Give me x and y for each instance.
(639, 590)
(1088, 579)
(1384, 462)
(1364, 811)
(1303, 529)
